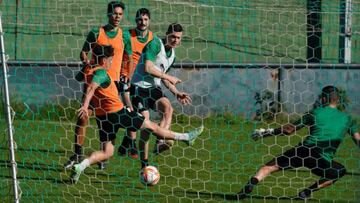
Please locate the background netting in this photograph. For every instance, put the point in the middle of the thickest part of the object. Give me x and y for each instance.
(44, 38)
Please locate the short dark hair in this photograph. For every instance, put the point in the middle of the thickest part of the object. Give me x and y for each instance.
(142, 11)
(114, 4)
(174, 27)
(329, 94)
(102, 51)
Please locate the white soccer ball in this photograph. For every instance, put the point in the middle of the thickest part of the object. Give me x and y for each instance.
(149, 175)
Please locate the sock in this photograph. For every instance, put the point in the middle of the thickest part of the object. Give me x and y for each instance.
(84, 164)
(126, 141)
(181, 136)
(144, 163)
(133, 143)
(78, 149)
(250, 185)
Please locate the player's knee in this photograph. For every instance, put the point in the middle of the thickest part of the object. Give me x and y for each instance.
(169, 109)
(149, 125)
(109, 150)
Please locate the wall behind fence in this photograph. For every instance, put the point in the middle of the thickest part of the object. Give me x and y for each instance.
(214, 90)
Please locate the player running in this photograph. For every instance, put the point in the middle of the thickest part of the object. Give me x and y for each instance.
(110, 113)
(328, 127)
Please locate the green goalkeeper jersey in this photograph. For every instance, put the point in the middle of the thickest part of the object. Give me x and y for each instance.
(328, 127)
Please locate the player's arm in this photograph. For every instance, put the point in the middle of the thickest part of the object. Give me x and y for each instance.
(90, 90)
(90, 39)
(356, 138)
(354, 132)
(150, 69)
(99, 79)
(128, 51)
(286, 129)
(183, 97)
(151, 50)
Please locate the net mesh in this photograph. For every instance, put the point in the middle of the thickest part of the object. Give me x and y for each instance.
(44, 38)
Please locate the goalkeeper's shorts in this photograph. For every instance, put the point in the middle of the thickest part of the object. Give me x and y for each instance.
(309, 157)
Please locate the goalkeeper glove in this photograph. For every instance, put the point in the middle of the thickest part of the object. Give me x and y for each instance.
(261, 133)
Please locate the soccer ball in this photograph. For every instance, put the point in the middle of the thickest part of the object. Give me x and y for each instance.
(149, 175)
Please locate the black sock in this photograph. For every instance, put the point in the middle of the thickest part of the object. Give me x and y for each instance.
(250, 185)
(78, 149)
(133, 143)
(126, 141)
(144, 163)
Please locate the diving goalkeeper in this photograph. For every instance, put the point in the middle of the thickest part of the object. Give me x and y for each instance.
(328, 127)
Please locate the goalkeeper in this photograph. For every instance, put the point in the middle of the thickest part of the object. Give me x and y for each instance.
(328, 127)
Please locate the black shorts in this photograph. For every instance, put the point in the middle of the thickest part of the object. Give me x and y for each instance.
(123, 86)
(309, 157)
(109, 124)
(144, 99)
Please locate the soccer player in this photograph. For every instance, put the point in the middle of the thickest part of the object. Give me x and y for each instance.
(328, 127)
(110, 34)
(140, 36)
(110, 113)
(156, 59)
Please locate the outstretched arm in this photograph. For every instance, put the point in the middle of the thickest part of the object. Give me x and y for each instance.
(182, 97)
(286, 129)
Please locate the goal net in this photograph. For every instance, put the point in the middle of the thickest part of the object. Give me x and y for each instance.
(245, 65)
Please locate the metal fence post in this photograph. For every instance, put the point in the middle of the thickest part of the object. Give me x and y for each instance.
(8, 114)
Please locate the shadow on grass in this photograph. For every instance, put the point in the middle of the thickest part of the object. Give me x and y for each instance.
(234, 197)
(36, 150)
(31, 166)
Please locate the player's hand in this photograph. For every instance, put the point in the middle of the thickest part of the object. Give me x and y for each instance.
(260, 133)
(183, 98)
(83, 113)
(173, 80)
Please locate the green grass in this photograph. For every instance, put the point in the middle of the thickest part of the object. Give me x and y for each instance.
(239, 31)
(220, 163)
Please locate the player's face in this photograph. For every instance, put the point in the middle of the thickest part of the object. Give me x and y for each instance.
(142, 22)
(174, 39)
(116, 16)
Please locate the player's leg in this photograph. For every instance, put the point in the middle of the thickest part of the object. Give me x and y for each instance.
(95, 157)
(163, 133)
(146, 126)
(107, 133)
(288, 159)
(163, 106)
(128, 144)
(144, 142)
(80, 133)
(329, 173)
